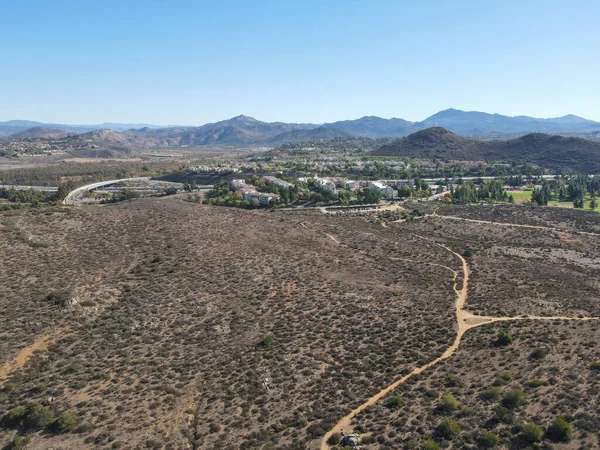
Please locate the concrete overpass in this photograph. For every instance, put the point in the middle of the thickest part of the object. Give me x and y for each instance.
(70, 199)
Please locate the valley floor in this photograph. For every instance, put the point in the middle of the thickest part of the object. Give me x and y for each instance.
(190, 326)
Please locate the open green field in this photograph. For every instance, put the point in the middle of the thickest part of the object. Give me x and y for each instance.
(525, 196)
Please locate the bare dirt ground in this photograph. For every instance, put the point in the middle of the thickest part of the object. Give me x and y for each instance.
(204, 327)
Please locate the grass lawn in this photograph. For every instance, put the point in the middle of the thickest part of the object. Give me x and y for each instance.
(525, 196)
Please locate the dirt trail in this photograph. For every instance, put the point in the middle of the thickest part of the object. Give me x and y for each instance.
(461, 296)
(465, 321)
(24, 355)
(512, 225)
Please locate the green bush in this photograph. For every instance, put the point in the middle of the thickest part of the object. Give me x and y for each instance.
(559, 430)
(504, 339)
(513, 399)
(531, 433)
(502, 413)
(266, 341)
(18, 443)
(448, 429)
(14, 417)
(449, 404)
(492, 393)
(60, 298)
(37, 416)
(430, 445)
(396, 402)
(538, 353)
(334, 439)
(535, 382)
(595, 366)
(65, 422)
(487, 439)
(503, 378)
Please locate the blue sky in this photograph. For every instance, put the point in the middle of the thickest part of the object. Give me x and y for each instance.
(192, 62)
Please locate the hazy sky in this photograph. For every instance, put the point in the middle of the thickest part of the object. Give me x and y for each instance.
(191, 62)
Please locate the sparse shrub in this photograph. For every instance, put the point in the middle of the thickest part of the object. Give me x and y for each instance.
(491, 393)
(502, 413)
(504, 339)
(449, 404)
(538, 353)
(559, 430)
(531, 433)
(396, 402)
(595, 366)
(487, 439)
(468, 253)
(87, 303)
(60, 298)
(266, 341)
(513, 399)
(334, 439)
(447, 429)
(452, 380)
(534, 383)
(503, 378)
(18, 443)
(40, 387)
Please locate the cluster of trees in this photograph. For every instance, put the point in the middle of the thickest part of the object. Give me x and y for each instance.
(288, 194)
(574, 189)
(35, 197)
(222, 195)
(491, 190)
(364, 196)
(35, 416)
(84, 173)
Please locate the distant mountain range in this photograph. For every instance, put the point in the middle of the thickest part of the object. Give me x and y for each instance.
(247, 131)
(12, 127)
(544, 150)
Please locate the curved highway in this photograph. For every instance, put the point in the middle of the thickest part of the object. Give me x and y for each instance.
(69, 199)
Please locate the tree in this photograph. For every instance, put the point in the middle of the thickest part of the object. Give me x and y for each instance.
(559, 430)
(540, 197)
(37, 416)
(448, 429)
(64, 189)
(578, 202)
(593, 203)
(504, 339)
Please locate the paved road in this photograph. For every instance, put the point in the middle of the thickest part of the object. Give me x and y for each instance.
(70, 199)
(25, 188)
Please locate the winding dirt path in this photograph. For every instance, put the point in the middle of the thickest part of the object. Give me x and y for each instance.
(465, 321)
